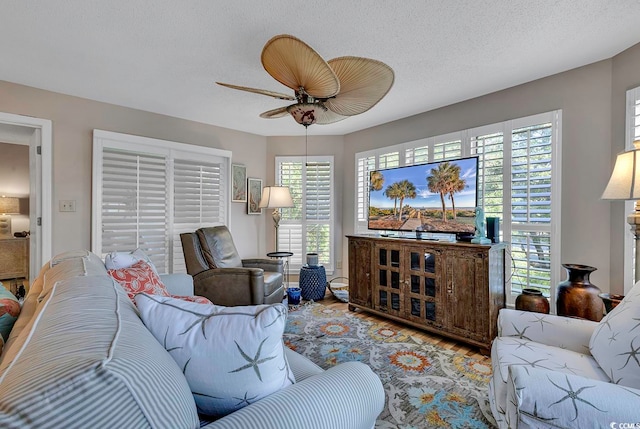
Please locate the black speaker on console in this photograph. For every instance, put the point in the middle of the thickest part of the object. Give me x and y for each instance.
(493, 229)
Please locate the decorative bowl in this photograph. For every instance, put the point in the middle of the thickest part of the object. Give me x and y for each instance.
(610, 301)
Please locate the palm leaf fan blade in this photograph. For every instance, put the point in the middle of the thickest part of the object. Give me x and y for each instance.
(325, 117)
(280, 112)
(266, 92)
(295, 64)
(363, 83)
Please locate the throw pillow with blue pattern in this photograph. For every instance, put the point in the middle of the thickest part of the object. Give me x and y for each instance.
(615, 343)
(230, 356)
(9, 312)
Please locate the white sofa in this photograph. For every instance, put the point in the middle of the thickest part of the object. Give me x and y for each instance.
(79, 356)
(560, 372)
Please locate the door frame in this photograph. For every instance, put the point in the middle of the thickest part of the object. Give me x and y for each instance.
(40, 139)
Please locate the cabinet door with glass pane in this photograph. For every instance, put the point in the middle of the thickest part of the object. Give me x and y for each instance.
(388, 294)
(422, 281)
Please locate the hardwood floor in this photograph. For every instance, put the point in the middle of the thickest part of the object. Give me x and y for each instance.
(443, 342)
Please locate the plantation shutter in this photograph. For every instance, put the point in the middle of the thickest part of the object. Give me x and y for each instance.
(290, 231)
(308, 226)
(531, 209)
(148, 191)
(198, 190)
(490, 151)
(134, 204)
(389, 160)
(363, 168)
(416, 155)
(318, 211)
(447, 150)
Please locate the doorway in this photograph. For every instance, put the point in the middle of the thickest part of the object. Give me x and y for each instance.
(35, 133)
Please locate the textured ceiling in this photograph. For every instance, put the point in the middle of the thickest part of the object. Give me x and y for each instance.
(165, 55)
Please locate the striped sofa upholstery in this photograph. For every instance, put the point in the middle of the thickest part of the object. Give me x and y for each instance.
(87, 361)
(80, 357)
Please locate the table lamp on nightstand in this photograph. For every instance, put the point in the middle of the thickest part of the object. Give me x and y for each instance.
(8, 206)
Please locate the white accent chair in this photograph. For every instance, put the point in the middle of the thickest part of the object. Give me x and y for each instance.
(561, 372)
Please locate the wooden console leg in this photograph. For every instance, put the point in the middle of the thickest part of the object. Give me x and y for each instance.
(351, 307)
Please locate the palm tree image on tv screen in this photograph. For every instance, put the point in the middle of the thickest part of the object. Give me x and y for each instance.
(435, 197)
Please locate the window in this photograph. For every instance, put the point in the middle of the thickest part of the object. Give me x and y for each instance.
(198, 187)
(518, 182)
(308, 227)
(146, 192)
(632, 134)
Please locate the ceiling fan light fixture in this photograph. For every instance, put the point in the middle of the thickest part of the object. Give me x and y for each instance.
(305, 113)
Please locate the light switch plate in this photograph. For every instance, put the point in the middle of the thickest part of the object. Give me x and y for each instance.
(67, 205)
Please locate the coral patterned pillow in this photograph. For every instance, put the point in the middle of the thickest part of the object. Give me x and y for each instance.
(9, 311)
(138, 278)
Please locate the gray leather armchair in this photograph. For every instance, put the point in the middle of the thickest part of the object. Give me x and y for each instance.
(220, 275)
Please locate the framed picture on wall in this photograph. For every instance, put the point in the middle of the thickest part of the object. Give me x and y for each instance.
(254, 194)
(238, 183)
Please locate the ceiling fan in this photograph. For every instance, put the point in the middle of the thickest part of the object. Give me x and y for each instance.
(325, 91)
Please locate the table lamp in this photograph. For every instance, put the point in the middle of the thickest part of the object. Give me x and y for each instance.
(8, 206)
(276, 197)
(624, 184)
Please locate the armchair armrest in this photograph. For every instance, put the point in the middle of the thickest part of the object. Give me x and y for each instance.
(231, 286)
(272, 265)
(178, 283)
(351, 392)
(564, 332)
(541, 398)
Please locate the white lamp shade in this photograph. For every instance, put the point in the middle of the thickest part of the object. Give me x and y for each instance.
(624, 181)
(274, 197)
(9, 205)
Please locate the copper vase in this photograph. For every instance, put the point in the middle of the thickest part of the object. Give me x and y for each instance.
(577, 296)
(532, 300)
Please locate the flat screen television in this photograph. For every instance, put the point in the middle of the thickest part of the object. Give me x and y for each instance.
(436, 197)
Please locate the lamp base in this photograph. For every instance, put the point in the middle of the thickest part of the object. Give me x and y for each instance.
(5, 226)
(634, 220)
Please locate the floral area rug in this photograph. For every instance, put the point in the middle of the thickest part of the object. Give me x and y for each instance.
(426, 386)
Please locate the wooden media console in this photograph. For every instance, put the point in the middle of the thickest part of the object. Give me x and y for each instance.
(452, 289)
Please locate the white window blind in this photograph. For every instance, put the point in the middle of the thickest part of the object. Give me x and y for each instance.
(531, 208)
(198, 190)
(389, 160)
(364, 166)
(490, 151)
(134, 204)
(290, 233)
(417, 155)
(518, 182)
(447, 150)
(148, 191)
(308, 226)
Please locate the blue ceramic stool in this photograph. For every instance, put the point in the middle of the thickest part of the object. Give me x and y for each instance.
(313, 282)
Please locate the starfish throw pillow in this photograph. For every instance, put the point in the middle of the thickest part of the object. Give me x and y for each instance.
(230, 356)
